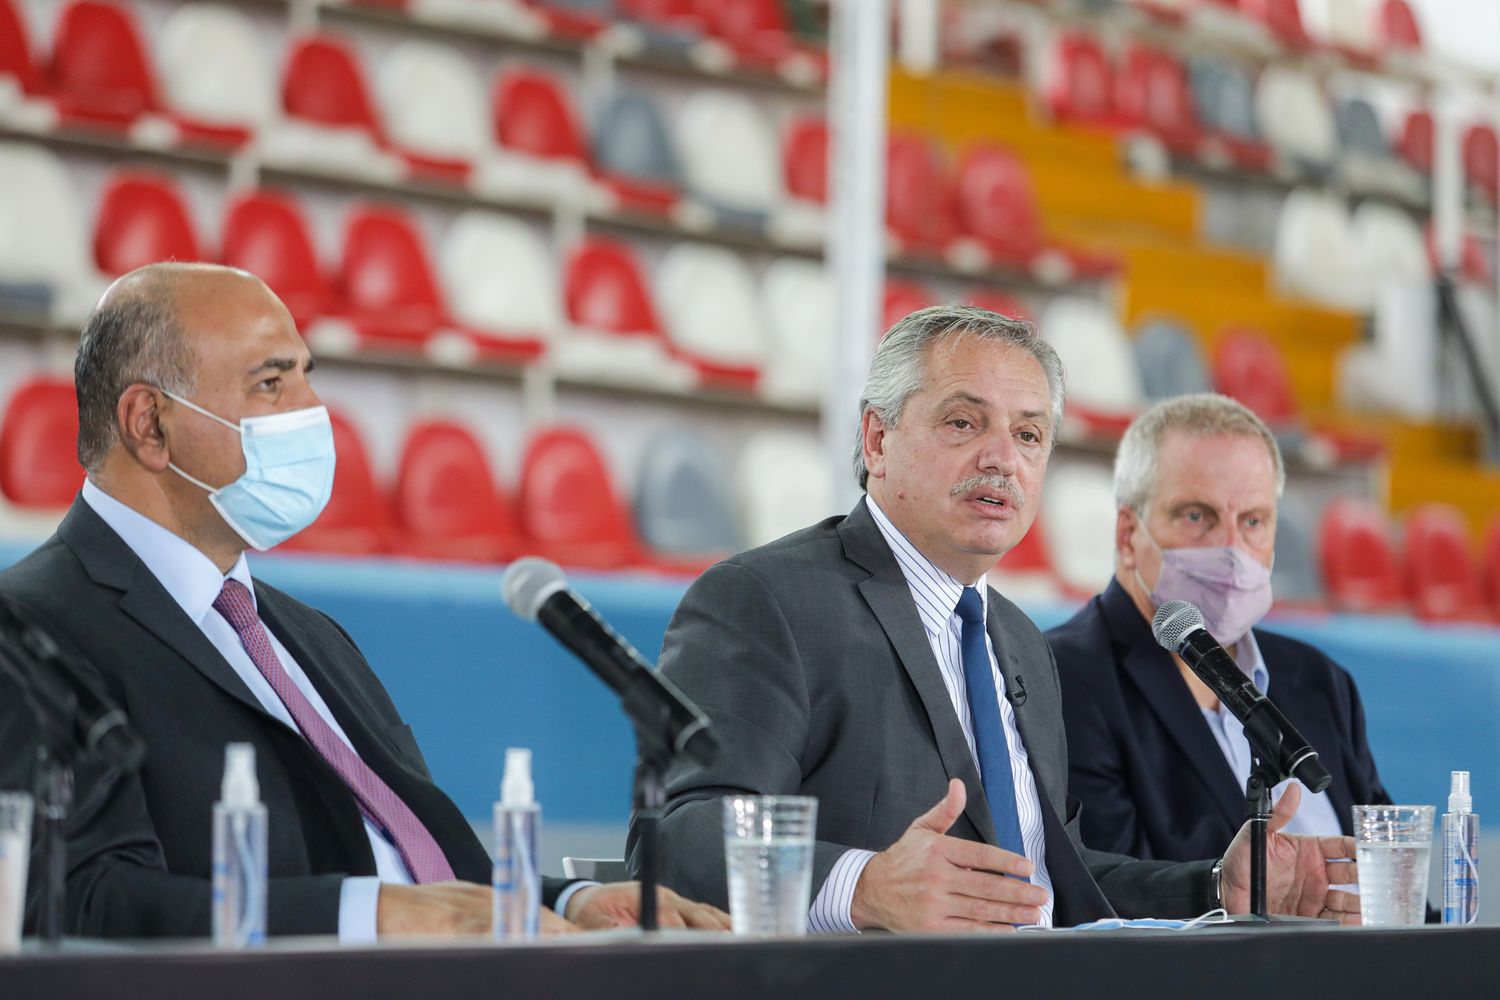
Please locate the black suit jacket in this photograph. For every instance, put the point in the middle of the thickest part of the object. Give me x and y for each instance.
(139, 851)
(810, 659)
(1144, 762)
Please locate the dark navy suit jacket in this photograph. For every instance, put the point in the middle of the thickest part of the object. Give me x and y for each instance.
(1142, 760)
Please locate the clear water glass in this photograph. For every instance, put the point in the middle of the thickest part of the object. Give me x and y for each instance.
(768, 847)
(1393, 845)
(15, 853)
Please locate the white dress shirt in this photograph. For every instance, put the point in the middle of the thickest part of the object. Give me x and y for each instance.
(194, 582)
(936, 595)
(1315, 816)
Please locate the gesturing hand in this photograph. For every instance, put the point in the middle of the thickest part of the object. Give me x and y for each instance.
(1300, 871)
(927, 881)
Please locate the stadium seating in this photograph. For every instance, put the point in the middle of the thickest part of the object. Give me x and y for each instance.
(1079, 82)
(1295, 577)
(1415, 139)
(901, 299)
(1152, 94)
(1292, 113)
(1491, 565)
(1169, 360)
(1224, 98)
(568, 507)
(1358, 563)
(682, 507)
(1442, 582)
(266, 234)
(329, 120)
(446, 502)
(38, 431)
(798, 303)
(434, 110)
(1104, 391)
(760, 36)
(919, 210)
(1481, 156)
(616, 329)
(633, 154)
(142, 219)
(729, 155)
(100, 73)
(357, 520)
(46, 271)
(498, 276)
(1398, 29)
(541, 149)
(1284, 20)
(1249, 368)
(1078, 525)
(1315, 255)
(713, 318)
(768, 461)
(20, 74)
(215, 74)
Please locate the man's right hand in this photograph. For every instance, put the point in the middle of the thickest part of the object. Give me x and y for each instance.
(445, 909)
(927, 881)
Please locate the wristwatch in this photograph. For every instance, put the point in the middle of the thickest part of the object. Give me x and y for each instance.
(1216, 886)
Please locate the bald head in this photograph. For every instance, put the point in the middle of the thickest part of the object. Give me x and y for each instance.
(144, 330)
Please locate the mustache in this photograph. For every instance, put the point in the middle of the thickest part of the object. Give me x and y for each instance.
(998, 484)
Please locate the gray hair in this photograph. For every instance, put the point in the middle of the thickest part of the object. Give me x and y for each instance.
(1203, 414)
(899, 368)
(133, 336)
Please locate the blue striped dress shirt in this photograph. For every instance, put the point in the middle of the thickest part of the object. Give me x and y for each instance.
(936, 595)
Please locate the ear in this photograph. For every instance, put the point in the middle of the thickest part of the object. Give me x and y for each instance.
(872, 431)
(138, 425)
(1125, 522)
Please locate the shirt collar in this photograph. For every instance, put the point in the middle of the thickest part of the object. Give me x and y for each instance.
(189, 576)
(935, 591)
(1247, 656)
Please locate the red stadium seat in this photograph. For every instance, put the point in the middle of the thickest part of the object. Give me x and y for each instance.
(678, 17)
(902, 298)
(805, 159)
(758, 33)
(387, 281)
(1482, 159)
(1283, 18)
(1397, 27)
(567, 21)
(1442, 581)
(1491, 565)
(101, 73)
(324, 84)
(446, 500)
(1414, 142)
(265, 233)
(142, 219)
(919, 193)
(1359, 567)
(16, 58)
(999, 302)
(1250, 368)
(357, 521)
(605, 290)
(534, 115)
(1081, 87)
(570, 511)
(1152, 93)
(38, 435)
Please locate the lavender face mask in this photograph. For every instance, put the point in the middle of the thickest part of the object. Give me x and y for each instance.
(1231, 588)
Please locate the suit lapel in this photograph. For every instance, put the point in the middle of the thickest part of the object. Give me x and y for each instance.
(889, 598)
(1315, 723)
(109, 562)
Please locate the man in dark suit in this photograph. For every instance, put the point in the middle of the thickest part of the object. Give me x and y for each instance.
(865, 661)
(1158, 763)
(201, 436)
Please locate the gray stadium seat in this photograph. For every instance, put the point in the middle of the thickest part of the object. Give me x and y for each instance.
(1296, 576)
(1170, 361)
(682, 502)
(1359, 127)
(631, 140)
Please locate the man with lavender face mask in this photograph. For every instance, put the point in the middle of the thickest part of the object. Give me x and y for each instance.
(1158, 762)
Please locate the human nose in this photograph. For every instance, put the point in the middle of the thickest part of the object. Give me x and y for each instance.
(998, 454)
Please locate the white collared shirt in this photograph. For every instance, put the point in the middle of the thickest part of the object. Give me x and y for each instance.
(192, 580)
(1315, 815)
(936, 595)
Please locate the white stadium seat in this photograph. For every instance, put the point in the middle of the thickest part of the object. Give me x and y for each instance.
(1315, 256)
(214, 67)
(708, 301)
(498, 275)
(1102, 379)
(1078, 524)
(42, 243)
(783, 484)
(799, 309)
(730, 155)
(1293, 114)
(433, 103)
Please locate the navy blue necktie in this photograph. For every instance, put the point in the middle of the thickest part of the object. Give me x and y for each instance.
(989, 731)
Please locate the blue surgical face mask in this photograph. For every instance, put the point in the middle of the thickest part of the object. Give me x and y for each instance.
(288, 478)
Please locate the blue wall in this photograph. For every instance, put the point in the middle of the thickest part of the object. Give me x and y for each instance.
(473, 679)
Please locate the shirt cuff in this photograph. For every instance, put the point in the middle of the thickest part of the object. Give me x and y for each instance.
(358, 899)
(560, 907)
(830, 911)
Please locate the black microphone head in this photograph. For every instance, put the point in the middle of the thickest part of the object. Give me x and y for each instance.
(1173, 621)
(528, 583)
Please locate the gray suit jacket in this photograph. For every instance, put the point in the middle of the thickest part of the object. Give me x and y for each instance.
(810, 659)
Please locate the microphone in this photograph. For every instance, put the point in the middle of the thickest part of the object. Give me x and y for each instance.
(69, 705)
(1178, 627)
(1015, 692)
(537, 590)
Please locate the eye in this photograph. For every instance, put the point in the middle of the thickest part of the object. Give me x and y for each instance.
(1030, 437)
(960, 423)
(1194, 516)
(269, 384)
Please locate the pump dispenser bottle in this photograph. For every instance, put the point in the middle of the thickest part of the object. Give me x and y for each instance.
(239, 883)
(517, 877)
(1460, 854)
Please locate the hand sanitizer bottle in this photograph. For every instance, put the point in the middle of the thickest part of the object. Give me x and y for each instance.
(239, 884)
(1460, 854)
(517, 877)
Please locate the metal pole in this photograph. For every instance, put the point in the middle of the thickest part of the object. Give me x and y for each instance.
(855, 250)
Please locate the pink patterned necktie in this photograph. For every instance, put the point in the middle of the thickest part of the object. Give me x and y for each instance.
(423, 857)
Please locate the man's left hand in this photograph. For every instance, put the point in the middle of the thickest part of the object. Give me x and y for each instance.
(1300, 871)
(618, 904)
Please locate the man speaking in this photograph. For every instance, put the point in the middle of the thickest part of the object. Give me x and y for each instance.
(202, 436)
(865, 661)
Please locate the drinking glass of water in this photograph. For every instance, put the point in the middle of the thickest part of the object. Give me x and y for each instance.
(15, 852)
(1393, 845)
(768, 846)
